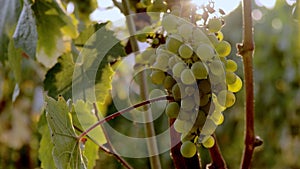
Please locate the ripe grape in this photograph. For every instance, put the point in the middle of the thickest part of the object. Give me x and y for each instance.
(226, 98)
(178, 68)
(236, 86)
(187, 103)
(173, 43)
(209, 142)
(223, 48)
(219, 36)
(230, 77)
(187, 77)
(231, 65)
(170, 23)
(205, 52)
(214, 25)
(178, 125)
(200, 70)
(185, 51)
(188, 149)
(204, 86)
(216, 68)
(169, 82)
(189, 90)
(209, 127)
(185, 30)
(157, 76)
(177, 94)
(172, 109)
(173, 60)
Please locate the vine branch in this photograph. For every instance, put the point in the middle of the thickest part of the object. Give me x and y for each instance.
(114, 115)
(246, 50)
(216, 156)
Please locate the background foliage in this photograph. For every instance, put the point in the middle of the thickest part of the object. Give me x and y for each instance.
(24, 74)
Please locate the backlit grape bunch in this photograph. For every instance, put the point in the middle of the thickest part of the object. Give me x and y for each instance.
(193, 68)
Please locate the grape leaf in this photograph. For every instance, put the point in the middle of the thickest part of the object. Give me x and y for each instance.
(66, 151)
(9, 12)
(14, 59)
(54, 28)
(25, 35)
(58, 79)
(45, 150)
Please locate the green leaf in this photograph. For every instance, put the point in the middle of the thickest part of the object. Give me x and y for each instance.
(14, 59)
(66, 151)
(91, 153)
(9, 12)
(86, 119)
(54, 28)
(25, 35)
(45, 150)
(59, 78)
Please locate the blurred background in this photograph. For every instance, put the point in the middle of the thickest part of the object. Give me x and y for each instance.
(277, 94)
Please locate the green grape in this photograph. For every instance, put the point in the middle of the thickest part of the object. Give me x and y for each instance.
(185, 51)
(155, 41)
(169, 82)
(230, 77)
(161, 62)
(204, 86)
(173, 60)
(184, 115)
(205, 52)
(187, 103)
(199, 118)
(236, 86)
(179, 125)
(172, 110)
(219, 36)
(188, 149)
(178, 69)
(176, 92)
(170, 23)
(214, 25)
(187, 77)
(223, 48)
(216, 68)
(146, 2)
(189, 90)
(200, 70)
(204, 99)
(162, 49)
(157, 76)
(209, 142)
(186, 30)
(213, 39)
(226, 98)
(209, 127)
(173, 43)
(231, 65)
(142, 37)
(199, 37)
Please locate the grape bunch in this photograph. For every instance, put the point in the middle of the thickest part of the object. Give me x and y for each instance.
(191, 65)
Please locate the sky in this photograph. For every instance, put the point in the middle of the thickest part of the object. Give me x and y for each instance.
(114, 14)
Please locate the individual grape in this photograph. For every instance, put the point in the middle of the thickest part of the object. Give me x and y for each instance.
(185, 51)
(187, 77)
(214, 25)
(173, 60)
(172, 110)
(178, 69)
(236, 86)
(176, 92)
(223, 48)
(200, 70)
(173, 43)
(142, 37)
(213, 39)
(231, 65)
(184, 115)
(179, 125)
(205, 52)
(188, 149)
(161, 62)
(204, 99)
(199, 37)
(170, 23)
(209, 142)
(204, 86)
(146, 2)
(226, 98)
(169, 82)
(157, 76)
(230, 77)
(216, 117)
(219, 36)
(189, 90)
(216, 68)
(185, 30)
(187, 103)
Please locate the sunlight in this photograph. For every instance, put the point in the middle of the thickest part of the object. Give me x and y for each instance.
(220, 4)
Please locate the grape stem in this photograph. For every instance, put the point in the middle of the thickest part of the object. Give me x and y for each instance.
(246, 51)
(216, 156)
(114, 115)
